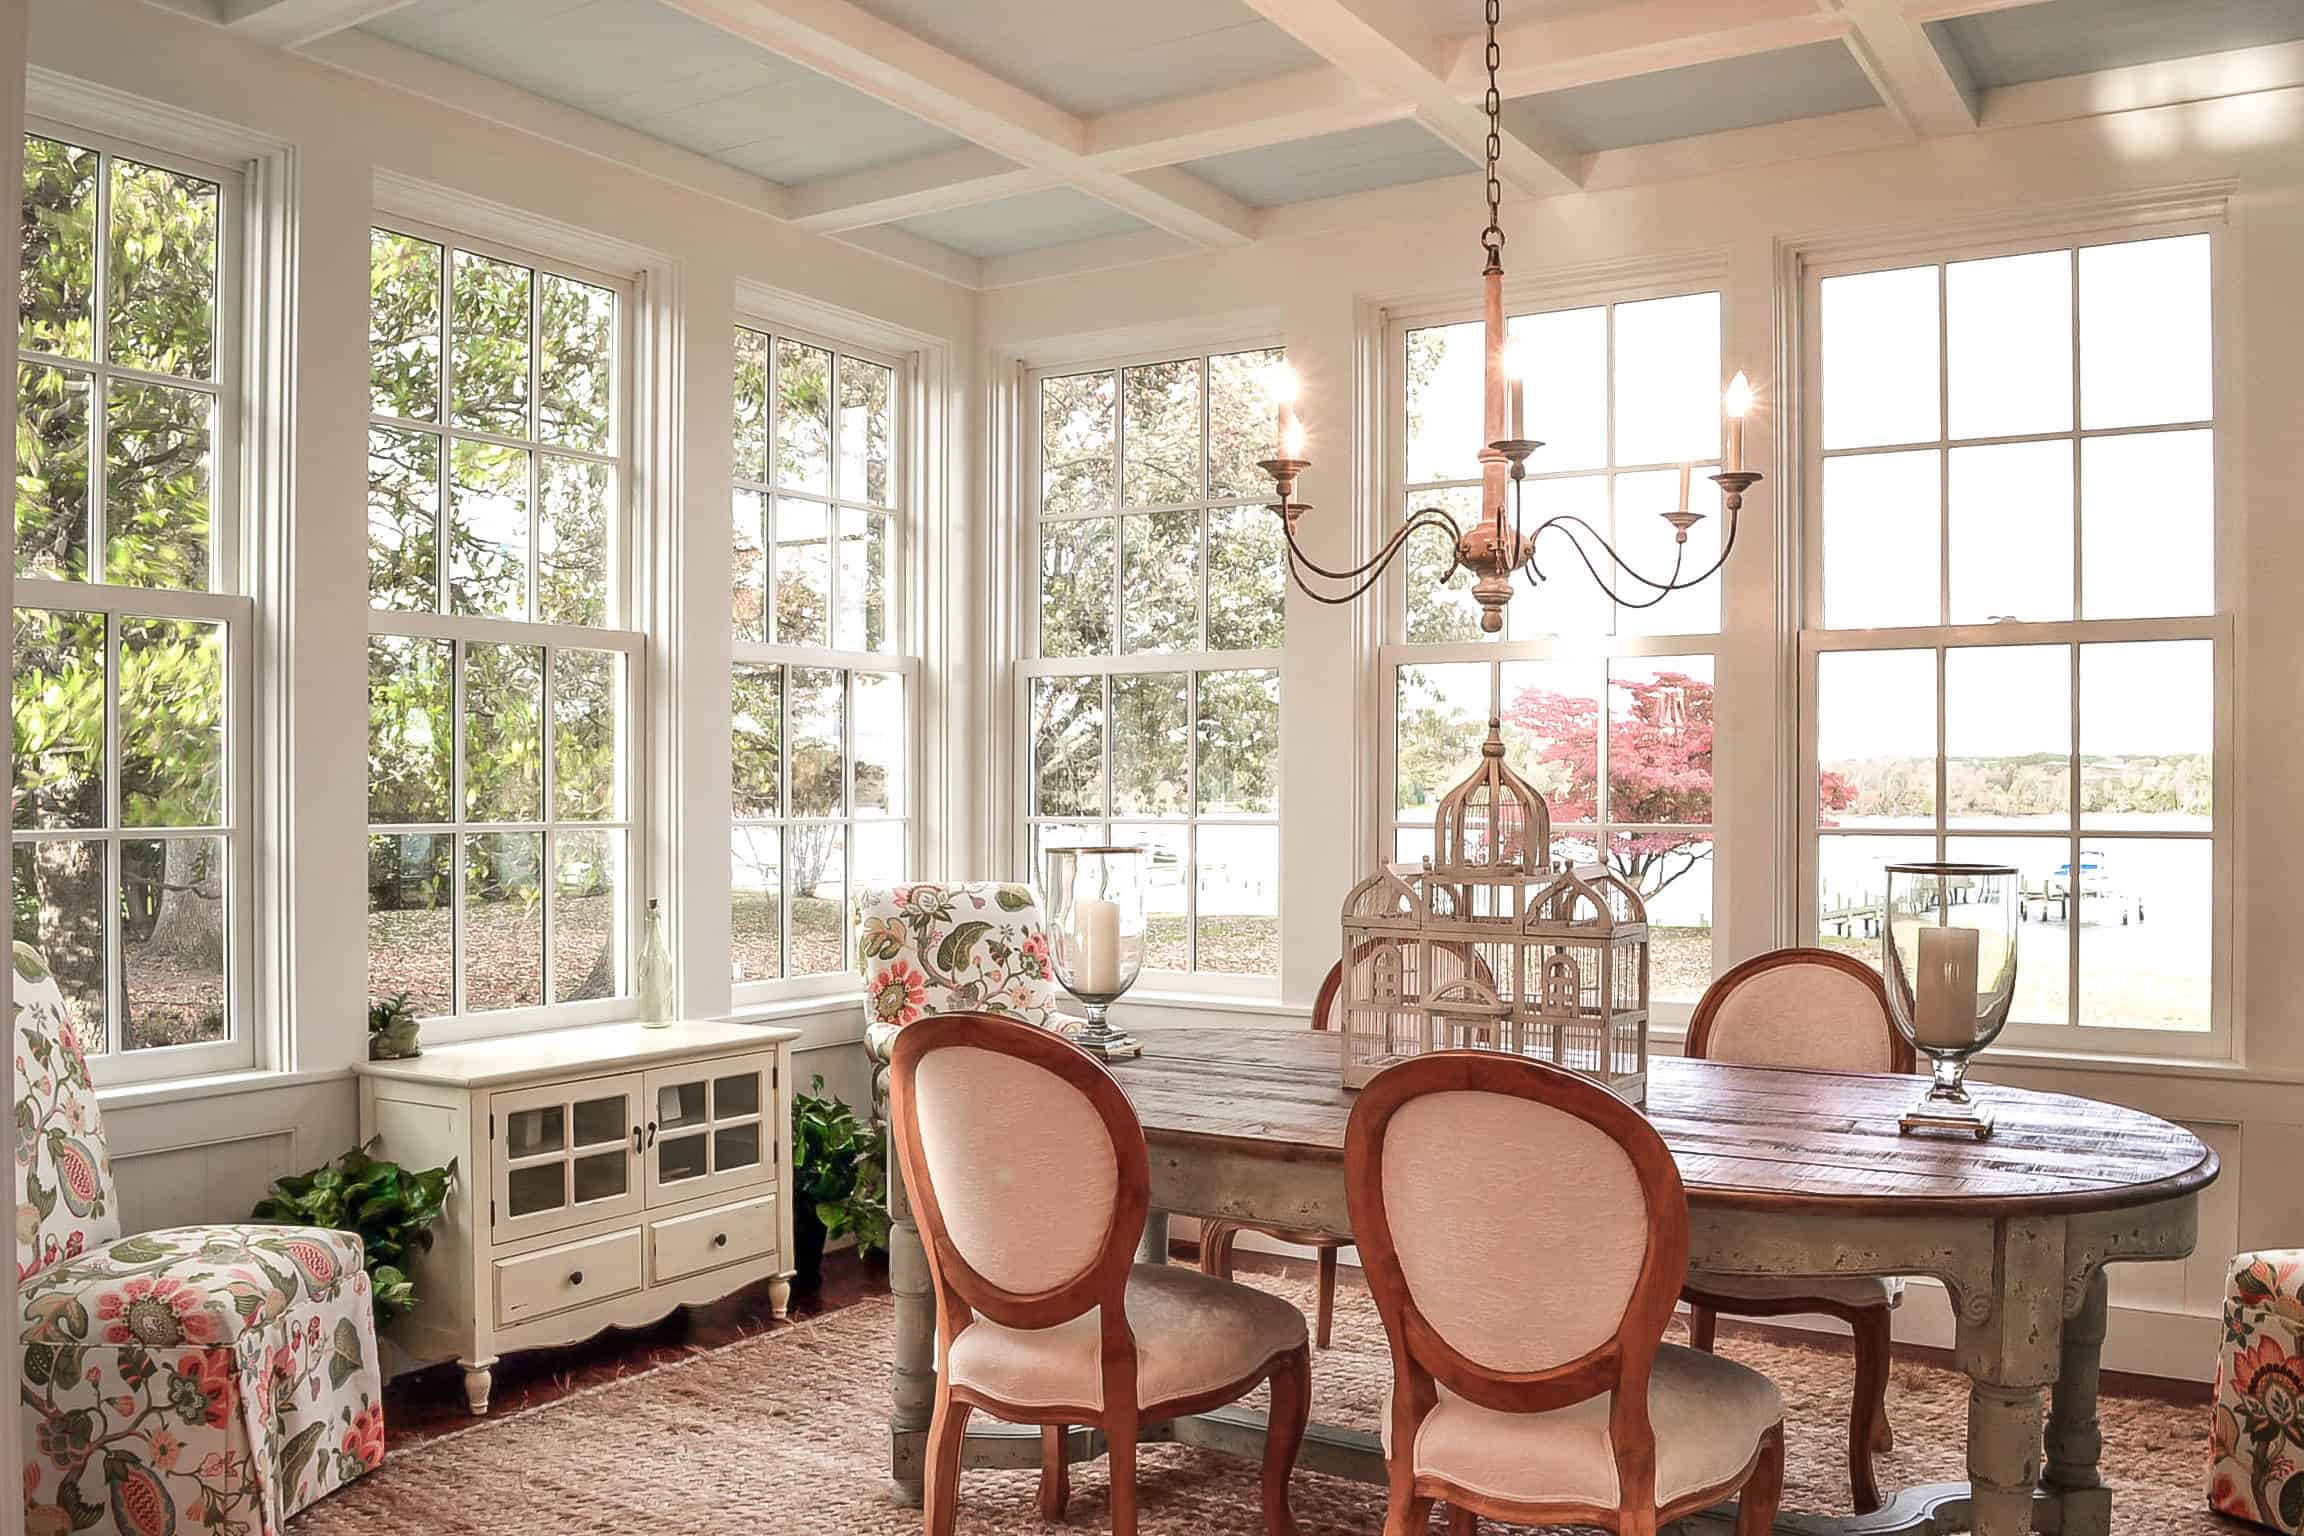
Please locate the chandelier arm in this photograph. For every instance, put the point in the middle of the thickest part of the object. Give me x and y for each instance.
(1662, 589)
(1429, 517)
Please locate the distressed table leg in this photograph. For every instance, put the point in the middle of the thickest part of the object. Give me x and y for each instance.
(913, 1381)
(2009, 1343)
(2075, 1442)
(1152, 1248)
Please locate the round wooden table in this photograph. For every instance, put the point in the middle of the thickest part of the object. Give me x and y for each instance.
(1788, 1173)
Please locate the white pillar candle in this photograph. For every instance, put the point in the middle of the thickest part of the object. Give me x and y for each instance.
(1944, 1005)
(1097, 923)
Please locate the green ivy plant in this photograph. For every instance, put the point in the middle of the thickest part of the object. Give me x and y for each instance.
(391, 1208)
(840, 1162)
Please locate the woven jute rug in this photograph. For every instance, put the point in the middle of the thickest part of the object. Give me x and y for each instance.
(786, 1433)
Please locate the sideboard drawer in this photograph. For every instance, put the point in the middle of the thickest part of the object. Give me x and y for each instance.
(571, 1275)
(686, 1245)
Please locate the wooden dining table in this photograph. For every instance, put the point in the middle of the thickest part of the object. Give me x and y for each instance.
(1788, 1173)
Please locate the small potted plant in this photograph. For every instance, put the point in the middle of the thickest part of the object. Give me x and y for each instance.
(391, 1208)
(840, 1165)
(392, 1029)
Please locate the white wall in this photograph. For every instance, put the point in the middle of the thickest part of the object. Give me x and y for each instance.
(210, 1157)
(1328, 279)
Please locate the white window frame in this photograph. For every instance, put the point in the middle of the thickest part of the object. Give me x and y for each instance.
(1808, 271)
(902, 659)
(1031, 665)
(625, 635)
(227, 604)
(1394, 650)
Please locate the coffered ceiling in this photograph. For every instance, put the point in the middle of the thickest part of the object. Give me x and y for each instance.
(999, 141)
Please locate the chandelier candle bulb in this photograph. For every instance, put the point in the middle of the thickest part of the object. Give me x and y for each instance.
(1685, 471)
(1944, 1005)
(1739, 401)
(1284, 407)
(1516, 368)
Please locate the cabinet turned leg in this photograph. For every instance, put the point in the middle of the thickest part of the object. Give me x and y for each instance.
(478, 1380)
(780, 1297)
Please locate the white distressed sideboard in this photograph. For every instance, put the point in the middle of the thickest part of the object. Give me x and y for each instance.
(606, 1175)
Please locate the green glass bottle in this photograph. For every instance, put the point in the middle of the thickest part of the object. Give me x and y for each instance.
(655, 971)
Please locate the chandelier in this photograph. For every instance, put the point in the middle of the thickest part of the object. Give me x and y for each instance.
(1499, 544)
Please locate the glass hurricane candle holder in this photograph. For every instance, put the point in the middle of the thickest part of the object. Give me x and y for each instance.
(1096, 936)
(1948, 955)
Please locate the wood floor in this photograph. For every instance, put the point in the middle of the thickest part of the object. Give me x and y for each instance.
(427, 1403)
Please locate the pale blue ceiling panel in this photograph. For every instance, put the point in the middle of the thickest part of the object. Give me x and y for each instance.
(1092, 56)
(665, 74)
(1355, 160)
(1024, 223)
(2076, 37)
(1779, 87)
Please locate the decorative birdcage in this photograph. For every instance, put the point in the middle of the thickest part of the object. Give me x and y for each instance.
(1490, 945)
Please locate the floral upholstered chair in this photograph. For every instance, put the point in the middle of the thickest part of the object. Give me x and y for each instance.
(2257, 1440)
(977, 946)
(199, 1378)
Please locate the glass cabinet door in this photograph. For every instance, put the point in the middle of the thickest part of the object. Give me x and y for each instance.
(565, 1154)
(714, 1127)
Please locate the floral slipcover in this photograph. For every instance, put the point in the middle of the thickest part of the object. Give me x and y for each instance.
(198, 1379)
(949, 948)
(2256, 1443)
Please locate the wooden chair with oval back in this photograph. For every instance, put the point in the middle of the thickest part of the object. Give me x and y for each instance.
(1030, 1181)
(1525, 1388)
(1824, 1009)
(1218, 1237)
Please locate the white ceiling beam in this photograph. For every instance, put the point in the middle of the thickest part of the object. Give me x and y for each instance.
(1639, 39)
(929, 256)
(1391, 53)
(294, 23)
(955, 178)
(845, 43)
(1927, 89)
(1304, 105)
(1953, 10)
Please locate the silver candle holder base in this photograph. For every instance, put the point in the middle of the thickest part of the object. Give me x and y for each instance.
(1099, 1039)
(1947, 1106)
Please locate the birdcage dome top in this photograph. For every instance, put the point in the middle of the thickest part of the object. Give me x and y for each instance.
(1493, 823)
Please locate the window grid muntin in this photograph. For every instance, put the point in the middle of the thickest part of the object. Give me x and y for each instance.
(220, 603)
(2075, 633)
(617, 458)
(463, 630)
(894, 660)
(1120, 662)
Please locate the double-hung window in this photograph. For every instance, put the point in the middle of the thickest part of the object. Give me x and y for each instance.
(130, 848)
(2013, 652)
(819, 712)
(1151, 696)
(503, 652)
(1607, 706)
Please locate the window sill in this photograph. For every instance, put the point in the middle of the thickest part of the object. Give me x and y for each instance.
(1182, 1000)
(825, 1019)
(217, 1085)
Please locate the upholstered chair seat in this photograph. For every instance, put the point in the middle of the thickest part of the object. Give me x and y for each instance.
(194, 1378)
(1194, 1335)
(1838, 1290)
(1707, 1412)
(1824, 1011)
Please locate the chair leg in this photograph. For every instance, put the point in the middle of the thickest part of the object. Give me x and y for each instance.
(947, 1430)
(1764, 1489)
(1120, 1456)
(1462, 1522)
(1868, 1412)
(1055, 1473)
(1702, 1325)
(1284, 1436)
(1325, 1324)
(1216, 1248)
(1406, 1514)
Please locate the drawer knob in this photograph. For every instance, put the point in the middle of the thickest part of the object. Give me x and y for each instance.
(576, 1277)
(719, 1239)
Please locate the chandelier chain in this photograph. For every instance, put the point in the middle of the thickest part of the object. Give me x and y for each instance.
(1492, 238)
